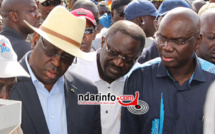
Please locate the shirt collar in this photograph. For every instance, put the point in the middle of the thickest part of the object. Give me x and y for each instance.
(197, 74)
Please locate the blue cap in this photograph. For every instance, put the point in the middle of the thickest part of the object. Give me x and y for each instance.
(105, 20)
(138, 8)
(168, 5)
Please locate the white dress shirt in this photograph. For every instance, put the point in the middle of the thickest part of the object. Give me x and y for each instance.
(110, 114)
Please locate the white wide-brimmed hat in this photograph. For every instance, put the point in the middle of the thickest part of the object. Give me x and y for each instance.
(9, 67)
(65, 31)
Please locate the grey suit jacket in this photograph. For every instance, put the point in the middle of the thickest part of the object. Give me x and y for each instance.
(81, 119)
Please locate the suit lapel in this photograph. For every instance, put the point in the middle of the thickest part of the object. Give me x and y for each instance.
(71, 106)
(31, 102)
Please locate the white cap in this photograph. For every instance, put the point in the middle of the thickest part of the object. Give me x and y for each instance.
(9, 67)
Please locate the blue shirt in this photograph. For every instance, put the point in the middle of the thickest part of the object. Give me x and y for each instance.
(53, 103)
(180, 107)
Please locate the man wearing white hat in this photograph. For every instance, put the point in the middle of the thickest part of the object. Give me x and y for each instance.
(10, 69)
(50, 97)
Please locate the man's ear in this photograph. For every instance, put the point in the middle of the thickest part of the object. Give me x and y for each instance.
(156, 24)
(13, 16)
(198, 41)
(35, 39)
(111, 13)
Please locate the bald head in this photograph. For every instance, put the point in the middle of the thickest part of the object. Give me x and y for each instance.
(208, 17)
(14, 12)
(207, 46)
(183, 19)
(11, 5)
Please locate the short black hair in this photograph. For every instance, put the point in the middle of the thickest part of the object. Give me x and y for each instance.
(118, 3)
(129, 28)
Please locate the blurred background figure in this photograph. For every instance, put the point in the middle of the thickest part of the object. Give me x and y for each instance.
(143, 13)
(117, 13)
(117, 9)
(198, 4)
(90, 30)
(89, 5)
(157, 3)
(10, 69)
(45, 6)
(206, 49)
(13, 13)
(104, 21)
(103, 8)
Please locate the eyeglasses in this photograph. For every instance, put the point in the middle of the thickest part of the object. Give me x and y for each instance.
(88, 31)
(116, 55)
(53, 52)
(48, 3)
(159, 39)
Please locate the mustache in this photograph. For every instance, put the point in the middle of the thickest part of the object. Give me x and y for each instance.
(116, 68)
(54, 69)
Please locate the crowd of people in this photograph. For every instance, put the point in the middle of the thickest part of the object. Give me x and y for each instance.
(160, 52)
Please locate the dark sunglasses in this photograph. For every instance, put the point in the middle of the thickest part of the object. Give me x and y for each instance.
(122, 14)
(53, 52)
(88, 31)
(48, 3)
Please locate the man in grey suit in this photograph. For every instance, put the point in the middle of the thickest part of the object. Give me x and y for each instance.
(13, 13)
(50, 96)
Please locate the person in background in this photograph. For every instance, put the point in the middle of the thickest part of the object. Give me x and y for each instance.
(89, 5)
(105, 21)
(46, 6)
(103, 8)
(50, 96)
(10, 70)
(117, 9)
(198, 4)
(90, 30)
(152, 52)
(117, 13)
(175, 87)
(13, 13)
(206, 49)
(157, 3)
(143, 13)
